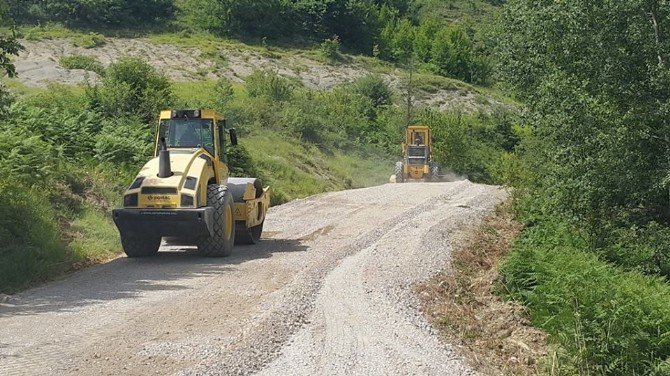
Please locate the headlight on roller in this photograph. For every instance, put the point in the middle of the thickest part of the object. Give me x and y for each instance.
(130, 200)
(186, 201)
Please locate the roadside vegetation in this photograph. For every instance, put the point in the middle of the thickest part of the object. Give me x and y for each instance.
(593, 262)
(466, 305)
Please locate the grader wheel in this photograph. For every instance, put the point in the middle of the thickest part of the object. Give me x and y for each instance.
(434, 172)
(399, 178)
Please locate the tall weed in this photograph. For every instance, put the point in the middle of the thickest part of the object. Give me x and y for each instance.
(606, 320)
(31, 248)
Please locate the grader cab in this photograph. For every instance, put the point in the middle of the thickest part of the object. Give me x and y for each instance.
(185, 192)
(417, 163)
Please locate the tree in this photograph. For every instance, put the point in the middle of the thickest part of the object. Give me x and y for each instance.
(452, 53)
(94, 13)
(9, 44)
(403, 41)
(595, 78)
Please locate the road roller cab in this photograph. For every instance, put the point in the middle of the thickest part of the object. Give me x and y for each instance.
(185, 191)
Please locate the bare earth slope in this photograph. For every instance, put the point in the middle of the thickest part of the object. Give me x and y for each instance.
(327, 292)
(38, 65)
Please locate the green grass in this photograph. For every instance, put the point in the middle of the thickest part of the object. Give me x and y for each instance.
(89, 40)
(30, 250)
(18, 88)
(96, 238)
(79, 38)
(88, 63)
(196, 93)
(362, 171)
(48, 32)
(603, 319)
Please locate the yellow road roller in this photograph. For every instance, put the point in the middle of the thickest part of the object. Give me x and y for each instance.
(184, 192)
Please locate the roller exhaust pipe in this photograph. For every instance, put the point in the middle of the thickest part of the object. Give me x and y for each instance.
(164, 168)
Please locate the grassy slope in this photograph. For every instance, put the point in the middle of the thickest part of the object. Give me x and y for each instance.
(297, 170)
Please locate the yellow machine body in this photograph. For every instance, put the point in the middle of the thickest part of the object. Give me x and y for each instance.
(417, 164)
(174, 203)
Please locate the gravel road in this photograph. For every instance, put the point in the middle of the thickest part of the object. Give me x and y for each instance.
(328, 292)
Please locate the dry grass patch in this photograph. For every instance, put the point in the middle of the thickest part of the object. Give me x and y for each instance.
(492, 333)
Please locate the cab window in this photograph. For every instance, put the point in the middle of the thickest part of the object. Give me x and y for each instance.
(188, 133)
(418, 138)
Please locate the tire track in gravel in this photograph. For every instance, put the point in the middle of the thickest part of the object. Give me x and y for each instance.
(365, 321)
(182, 314)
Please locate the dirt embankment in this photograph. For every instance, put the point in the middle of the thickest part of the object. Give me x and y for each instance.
(328, 291)
(38, 65)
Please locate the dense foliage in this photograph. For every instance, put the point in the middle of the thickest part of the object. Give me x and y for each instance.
(443, 49)
(131, 87)
(356, 23)
(595, 76)
(95, 14)
(594, 171)
(607, 321)
(64, 160)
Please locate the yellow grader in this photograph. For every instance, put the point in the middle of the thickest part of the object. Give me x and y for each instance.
(184, 192)
(417, 163)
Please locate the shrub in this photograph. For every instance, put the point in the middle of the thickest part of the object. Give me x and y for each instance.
(607, 321)
(123, 141)
(88, 63)
(240, 162)
(90, 40)
(70, 131)
(374, 88)
(223, 92)
(330, 49)
(131, 87)
(269, 85)
(25, 158)
(646, 249)
(6, 100)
